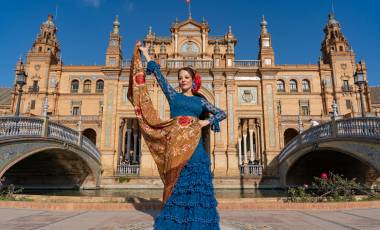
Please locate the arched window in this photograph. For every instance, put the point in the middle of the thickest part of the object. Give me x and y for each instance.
(280, 86)
(99, 86)
(87, 86)
(293, 86)
(74, 86)
(305, 86)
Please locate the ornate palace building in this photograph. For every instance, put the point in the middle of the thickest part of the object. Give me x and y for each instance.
(267, 103)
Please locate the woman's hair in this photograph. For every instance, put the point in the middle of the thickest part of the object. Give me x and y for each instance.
(196, 77)
(189, 70)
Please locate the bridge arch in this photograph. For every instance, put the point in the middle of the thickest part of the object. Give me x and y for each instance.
(38, 153)
(350, 147)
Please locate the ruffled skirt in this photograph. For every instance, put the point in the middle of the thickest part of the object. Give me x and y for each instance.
(192, 204)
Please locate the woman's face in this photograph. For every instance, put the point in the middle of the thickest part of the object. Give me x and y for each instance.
(185, 81)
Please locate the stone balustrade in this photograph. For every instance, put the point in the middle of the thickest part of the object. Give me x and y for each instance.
(14, 127)
(125, 169)
(360, 127)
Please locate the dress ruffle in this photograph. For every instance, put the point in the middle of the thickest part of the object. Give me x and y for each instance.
(192, 204)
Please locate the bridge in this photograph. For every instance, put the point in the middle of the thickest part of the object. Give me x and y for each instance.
(38, 153)
(347, 146)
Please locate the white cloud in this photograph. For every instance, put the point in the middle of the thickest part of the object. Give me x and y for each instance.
(129, 5)
(93, 3)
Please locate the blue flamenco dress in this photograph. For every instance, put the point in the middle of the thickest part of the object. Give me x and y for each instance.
(192, 204)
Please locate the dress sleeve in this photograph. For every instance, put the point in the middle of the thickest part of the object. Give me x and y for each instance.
(168, 90)
(218, 115)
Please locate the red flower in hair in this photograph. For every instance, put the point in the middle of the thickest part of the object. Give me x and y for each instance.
(197, 83)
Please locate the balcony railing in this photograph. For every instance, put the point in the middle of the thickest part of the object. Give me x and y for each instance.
(365, 128)
(199, 64)
(14, 127)
(34, 89)
(347, 88)
(251, 170)
(125, 169)
(247, 64)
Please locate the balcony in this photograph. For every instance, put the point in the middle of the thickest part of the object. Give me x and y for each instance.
(347, 88)
(197, 64)
(34, 89)
(251, 170)
(125, 169)
(247, 64)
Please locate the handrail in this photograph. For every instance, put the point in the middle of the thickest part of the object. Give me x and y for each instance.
(12, 127)
(359, 127)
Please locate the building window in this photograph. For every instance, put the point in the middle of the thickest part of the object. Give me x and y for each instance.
(346, 86)
(305, 111)
(348, 104)
(293, 86)
(280, 86)
(305, 86)
(279, 109)
(268, 61)
(112, 61)
(87, 86)
(33, 104)
(304, 107)
(34, 88)
(100, 107)
(76, 111)
(74, 86)
(99, 86)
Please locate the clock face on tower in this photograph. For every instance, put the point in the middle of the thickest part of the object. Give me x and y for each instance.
(189, 48)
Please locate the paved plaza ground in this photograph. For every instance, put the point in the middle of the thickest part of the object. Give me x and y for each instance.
(20, 219)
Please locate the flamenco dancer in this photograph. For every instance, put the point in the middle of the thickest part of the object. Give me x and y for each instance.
(177, 146)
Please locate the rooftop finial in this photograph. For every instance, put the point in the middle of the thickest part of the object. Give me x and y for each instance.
(116, 25)
(150, 30)
(264, 25)
(189, 7)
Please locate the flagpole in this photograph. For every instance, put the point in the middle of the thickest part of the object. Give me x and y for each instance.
(189, 6)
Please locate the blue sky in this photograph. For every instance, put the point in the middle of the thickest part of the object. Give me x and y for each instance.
(84, 25)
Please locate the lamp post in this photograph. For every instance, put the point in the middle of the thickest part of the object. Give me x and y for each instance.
(359, 81)
(20, 81)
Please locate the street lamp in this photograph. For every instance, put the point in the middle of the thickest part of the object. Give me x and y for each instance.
(20, 81)
(359, 81)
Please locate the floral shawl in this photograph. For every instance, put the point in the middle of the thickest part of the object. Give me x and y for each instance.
(170, 142)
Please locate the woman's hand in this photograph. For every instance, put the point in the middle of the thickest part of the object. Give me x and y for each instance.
(145, 53)
(204, 123)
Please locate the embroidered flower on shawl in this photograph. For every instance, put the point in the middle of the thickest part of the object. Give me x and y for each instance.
(140, 79)
(184, 121)
(138, 111)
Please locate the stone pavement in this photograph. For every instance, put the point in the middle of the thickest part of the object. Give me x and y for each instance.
(22, 219)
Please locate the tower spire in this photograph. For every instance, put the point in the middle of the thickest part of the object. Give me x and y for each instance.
(266, 53)
(116, 25)
(188, 3)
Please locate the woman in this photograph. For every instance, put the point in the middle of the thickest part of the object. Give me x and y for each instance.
(189, 200)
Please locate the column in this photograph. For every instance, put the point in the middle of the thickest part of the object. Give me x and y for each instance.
(135, 133)
(252, 150)
(239, 147)
(129, 134)
(245, 139)
(120, 139)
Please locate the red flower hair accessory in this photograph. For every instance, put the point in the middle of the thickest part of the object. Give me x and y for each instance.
(196, 83)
